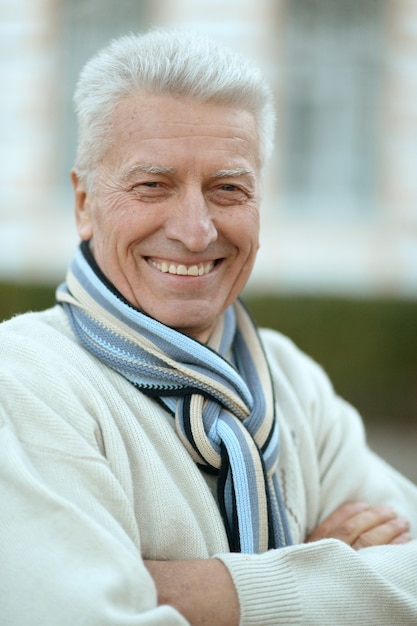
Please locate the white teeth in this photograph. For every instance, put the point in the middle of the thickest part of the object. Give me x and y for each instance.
(183, 270)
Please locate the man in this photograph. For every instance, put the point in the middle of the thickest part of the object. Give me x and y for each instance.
(161, 461)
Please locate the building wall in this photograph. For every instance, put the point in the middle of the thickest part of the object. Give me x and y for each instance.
(340, 208)
(29, 112)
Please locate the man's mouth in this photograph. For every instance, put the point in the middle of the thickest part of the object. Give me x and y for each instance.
(167, 267)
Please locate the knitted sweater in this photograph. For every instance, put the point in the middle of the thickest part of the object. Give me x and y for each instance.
(93, 478)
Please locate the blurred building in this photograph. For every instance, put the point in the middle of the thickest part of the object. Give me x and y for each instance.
(340, 210)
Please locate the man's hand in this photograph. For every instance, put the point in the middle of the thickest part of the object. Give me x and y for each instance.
(362, 526)
(201, 590)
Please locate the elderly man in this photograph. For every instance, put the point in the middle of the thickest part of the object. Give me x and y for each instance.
(162, 461)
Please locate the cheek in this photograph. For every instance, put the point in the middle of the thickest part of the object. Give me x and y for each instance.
(244, 231)
(115, 218)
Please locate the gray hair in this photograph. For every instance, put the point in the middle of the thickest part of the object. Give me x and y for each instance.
(162, 62)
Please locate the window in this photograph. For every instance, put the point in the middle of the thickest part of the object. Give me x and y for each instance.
(333, 57)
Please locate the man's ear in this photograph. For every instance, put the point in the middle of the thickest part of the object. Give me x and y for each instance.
(83, 218)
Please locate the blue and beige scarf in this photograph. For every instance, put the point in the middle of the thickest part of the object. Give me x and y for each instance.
(221, 395)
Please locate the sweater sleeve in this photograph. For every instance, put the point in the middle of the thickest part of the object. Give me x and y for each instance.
(327, 582)
(61, 562)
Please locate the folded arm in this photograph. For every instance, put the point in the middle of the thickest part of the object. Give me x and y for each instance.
(203, 590)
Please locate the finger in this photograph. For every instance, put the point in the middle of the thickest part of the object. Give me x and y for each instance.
(365, 521)
(328, 527)
(384, 534)
(351, 520)
(403, 538)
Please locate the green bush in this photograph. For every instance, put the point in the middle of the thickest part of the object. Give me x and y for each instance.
(368, 347)
(18, 298)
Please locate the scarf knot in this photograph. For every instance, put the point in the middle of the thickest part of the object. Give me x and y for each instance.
(220, 394)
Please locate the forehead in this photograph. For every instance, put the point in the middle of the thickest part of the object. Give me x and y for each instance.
(148, 124)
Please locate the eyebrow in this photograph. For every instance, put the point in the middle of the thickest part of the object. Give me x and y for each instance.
(240, 171)
(159, 169)
(148, 169)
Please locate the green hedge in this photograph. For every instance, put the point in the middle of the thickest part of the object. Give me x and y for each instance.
(18, 298)
(368, 347)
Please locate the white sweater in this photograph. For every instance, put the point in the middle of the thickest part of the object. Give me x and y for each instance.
(93, 478)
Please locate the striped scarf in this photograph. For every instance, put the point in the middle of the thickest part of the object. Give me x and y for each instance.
(221, 395)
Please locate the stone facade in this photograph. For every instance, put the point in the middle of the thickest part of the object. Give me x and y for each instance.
(340, 210)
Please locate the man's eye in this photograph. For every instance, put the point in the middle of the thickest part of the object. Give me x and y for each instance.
(148, 186)
(228, 194)
(150, 191)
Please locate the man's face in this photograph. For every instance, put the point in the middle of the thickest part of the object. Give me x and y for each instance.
(173, 215)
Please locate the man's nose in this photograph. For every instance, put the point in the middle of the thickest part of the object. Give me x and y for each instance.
(191, 222)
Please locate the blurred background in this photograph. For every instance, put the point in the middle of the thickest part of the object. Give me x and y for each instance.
(337, 269)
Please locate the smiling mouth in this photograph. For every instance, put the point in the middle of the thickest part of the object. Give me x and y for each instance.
(183, 270)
